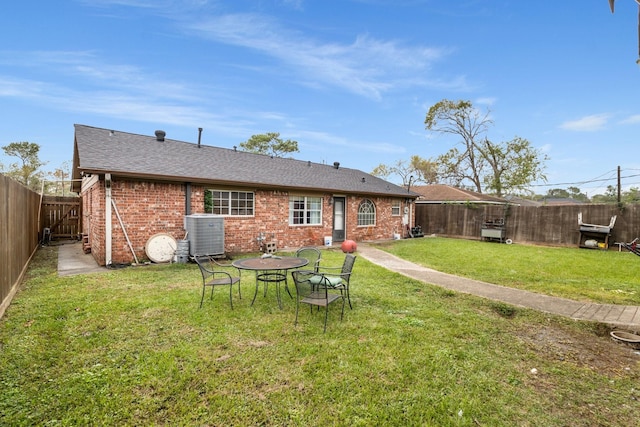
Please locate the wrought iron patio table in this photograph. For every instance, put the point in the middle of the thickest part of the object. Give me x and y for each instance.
(270, 269)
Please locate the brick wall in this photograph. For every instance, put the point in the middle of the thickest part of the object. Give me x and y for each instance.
(147, 208)
(272, 219)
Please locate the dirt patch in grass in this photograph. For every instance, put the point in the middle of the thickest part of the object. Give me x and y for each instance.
(588, 349)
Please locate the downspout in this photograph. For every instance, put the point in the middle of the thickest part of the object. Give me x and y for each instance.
(410, 221)
(107, 220)
(187, 197)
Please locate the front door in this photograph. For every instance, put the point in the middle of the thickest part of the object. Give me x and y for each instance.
(338, 219)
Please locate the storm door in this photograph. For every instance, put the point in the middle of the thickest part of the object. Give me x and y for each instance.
(339, 219)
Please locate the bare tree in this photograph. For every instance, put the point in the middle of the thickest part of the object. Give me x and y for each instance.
(501, 167)
(417, 170)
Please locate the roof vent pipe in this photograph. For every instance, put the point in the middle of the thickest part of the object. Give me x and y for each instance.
(199, 136)
(336, 165)
(160, 134)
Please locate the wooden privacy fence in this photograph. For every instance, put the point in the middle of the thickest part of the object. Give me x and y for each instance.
(24, 214)
(19, 229)
(62, 216)
(547, 225)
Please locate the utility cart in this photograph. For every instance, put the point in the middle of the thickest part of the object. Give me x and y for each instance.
(593, 236)
(493, 229)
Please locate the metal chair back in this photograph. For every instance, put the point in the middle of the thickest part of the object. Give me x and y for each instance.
(213, 277)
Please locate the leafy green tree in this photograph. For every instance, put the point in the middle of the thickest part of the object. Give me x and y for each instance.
(514, 164)
(610, 196)
(631, 196)
(568, 193)
(422, 170)
(270, 144)
(25, 171)
(576, 194)
(499, 167)
(557, 193)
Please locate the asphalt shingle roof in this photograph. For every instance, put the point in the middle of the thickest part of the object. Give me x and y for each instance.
(439, 193)
(130, 155)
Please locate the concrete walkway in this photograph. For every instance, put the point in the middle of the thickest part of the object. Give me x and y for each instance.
(72, 260)
(622, 316)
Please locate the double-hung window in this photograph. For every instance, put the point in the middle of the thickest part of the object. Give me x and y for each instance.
(305, 210)
(395, 208)
(234, 203)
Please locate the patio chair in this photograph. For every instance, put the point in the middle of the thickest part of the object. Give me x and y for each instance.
(314, 294)
(337, 277)
(312, 255)
(632, 246)
(213, 277)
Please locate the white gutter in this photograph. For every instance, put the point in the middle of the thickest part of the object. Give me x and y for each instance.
(107, 220)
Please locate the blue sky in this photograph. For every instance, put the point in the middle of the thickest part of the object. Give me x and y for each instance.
(350, 80)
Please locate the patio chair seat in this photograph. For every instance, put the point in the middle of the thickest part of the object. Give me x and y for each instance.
(331, 281)
(314, 294)
(336, 277)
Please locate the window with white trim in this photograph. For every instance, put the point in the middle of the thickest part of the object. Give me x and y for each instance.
(305, 210)
(366, 213)
(395, 208)
(231, 203)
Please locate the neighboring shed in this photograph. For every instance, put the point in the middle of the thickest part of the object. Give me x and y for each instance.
(440, 193)
(432, 213)
(519, 201)
(560, 201)
(135, 186)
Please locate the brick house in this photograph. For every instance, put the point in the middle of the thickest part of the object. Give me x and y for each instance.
(134, 187)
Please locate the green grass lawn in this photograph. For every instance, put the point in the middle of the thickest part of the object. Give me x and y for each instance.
(131, 347)
(609, 277)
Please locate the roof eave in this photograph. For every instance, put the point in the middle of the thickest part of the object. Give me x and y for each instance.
(235, 183)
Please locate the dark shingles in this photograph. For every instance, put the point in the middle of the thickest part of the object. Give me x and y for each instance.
(126, 154)
(445, 193)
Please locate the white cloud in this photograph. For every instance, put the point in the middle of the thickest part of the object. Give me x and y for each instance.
(367, 66)
(590, 123)
(87, 85)
(127, 3)
(321, 140)
(486, 101)
(631, 120)
(11, 87)
(546, 148)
